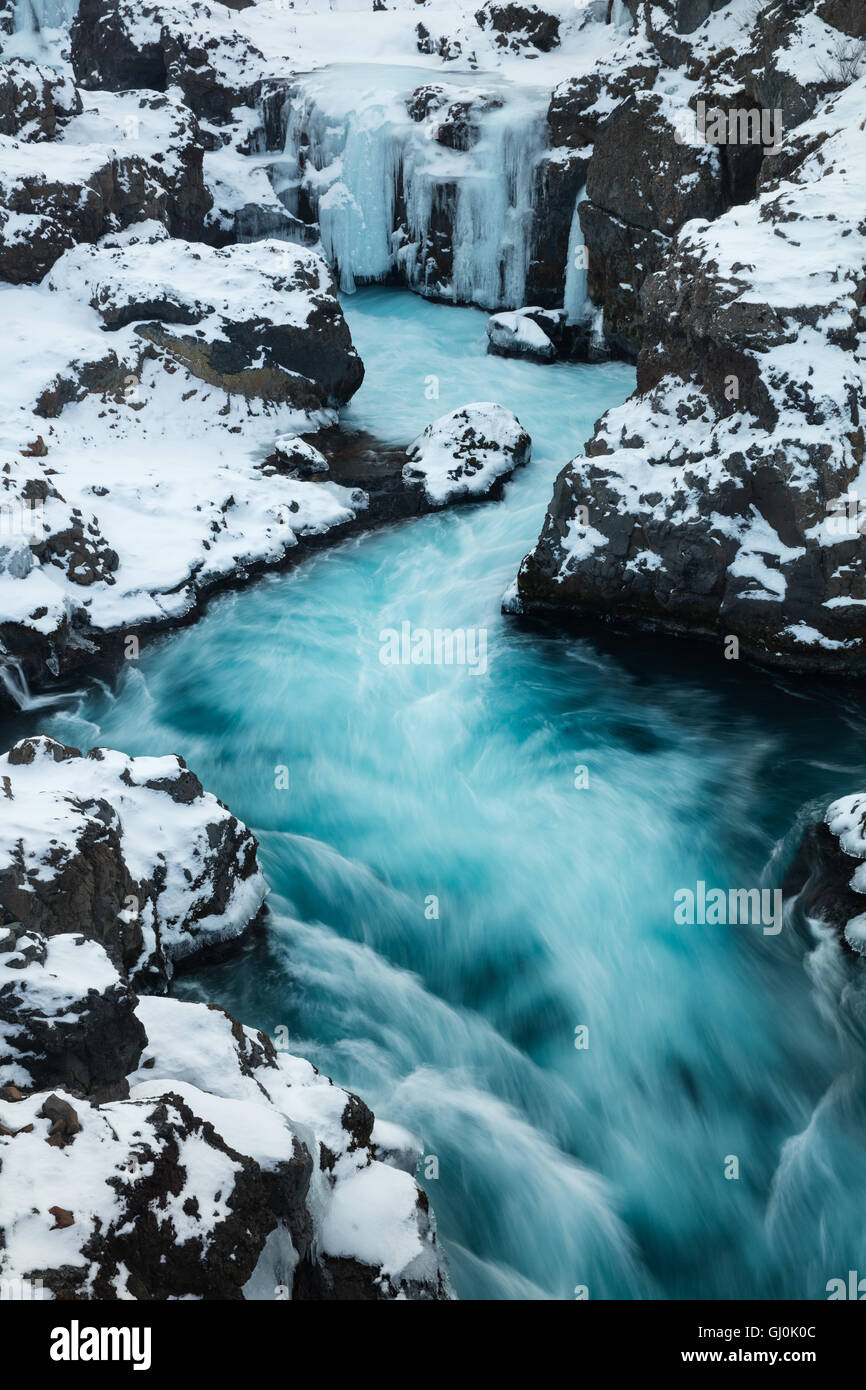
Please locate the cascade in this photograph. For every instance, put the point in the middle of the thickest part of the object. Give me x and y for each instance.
(442, 202)
(578, 305)
(33, 16)
(14, 682)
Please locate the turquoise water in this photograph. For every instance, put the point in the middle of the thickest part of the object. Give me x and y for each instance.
(559, 1167)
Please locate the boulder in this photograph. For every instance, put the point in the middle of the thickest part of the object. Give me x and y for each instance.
(518, 26)
(519, 334)
(127, 852)
(67, 1019)
(262, 319)
(468, 454)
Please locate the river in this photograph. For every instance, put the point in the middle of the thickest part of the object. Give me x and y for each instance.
(473, 873)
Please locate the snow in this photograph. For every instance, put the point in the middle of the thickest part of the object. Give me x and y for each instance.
(372, 1218)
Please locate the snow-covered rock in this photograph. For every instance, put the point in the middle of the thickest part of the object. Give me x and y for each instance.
(724, 497)
(135, 432)
(120, 160)
(128, 852)
(32, 98)
(67, 1019)
(152, 1148)
(122, 44)
(265, 318)
(519, 334)
(828, 874)
(185, 1157)
(467, 454)
(518, 26)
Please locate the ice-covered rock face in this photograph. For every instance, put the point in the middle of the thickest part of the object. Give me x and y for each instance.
(724, 497)
(128, 852)
(431, 184)
(467, 454)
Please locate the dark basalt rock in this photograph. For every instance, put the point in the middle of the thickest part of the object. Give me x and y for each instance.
(143, 1238)
(642, 184)
(848, 16)
(559, 179)
(33, 99)
(87, 1048)
(820, 878)
(519, 26)
(118, 45)
(82, 883)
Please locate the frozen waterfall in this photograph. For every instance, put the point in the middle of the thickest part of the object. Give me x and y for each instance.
(423, 178)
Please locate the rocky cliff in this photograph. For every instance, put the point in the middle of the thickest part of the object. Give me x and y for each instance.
(151, 1148)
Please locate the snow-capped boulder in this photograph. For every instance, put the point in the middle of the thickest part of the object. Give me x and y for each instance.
(467, 454)
(723, 498)
(519, 334)
(118, 45)
(828, 874)
(263, 318)
(128, 852)
(67, 1019)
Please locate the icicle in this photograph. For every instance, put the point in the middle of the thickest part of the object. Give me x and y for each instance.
(351, 154)
(578, 305)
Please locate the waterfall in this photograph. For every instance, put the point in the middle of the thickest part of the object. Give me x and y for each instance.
(32, 16)
(14, 682)
(620, 15)
(578, 305)
(394, 199)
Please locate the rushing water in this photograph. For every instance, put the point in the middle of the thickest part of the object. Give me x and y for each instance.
(558, 1166)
